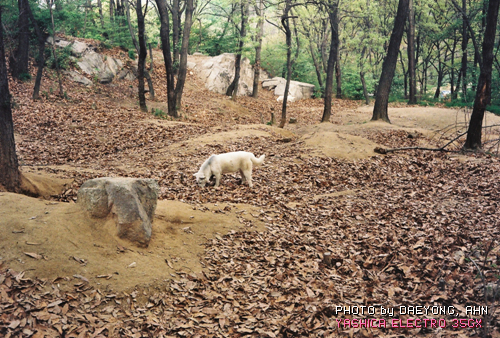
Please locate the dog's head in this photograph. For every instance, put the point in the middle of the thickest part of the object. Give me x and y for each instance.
(201, 179)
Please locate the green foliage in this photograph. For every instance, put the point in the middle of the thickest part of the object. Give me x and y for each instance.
(25, 76)
(64, 58)
(131, 54)
(352, 87)
(159, 113)
(274, 58)
(213, 39)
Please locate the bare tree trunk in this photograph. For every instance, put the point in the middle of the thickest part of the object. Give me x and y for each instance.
(141, 90)
(19, 60)
(285, 21)
(362, 76)
(233, 87)
(411, 54)
(333, 16)
(483, 92)
(176, 31)
(61, 91)
(41, 54)
(465, 39)
(181, 79)
(338, 75)
(111, 10)
(174, 92)
(101, 16)
(151, 64)
(143, 53)
(389, 65)
(260, 32)
(10, 177)
(165, 42)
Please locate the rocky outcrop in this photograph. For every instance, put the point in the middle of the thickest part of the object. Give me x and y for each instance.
(298, 90)
(218, 72)
(104, 68)
(130, 201)
(77, 77)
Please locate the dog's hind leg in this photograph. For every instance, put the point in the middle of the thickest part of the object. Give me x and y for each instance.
(247, 174)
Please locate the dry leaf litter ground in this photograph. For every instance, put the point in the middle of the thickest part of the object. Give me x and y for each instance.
(236, 261)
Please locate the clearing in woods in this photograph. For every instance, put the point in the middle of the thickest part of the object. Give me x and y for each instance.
(235, 260)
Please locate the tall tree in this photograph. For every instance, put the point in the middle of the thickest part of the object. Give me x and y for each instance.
(233, 87)
(42, 38)
(259, 10)
(10, 177)
(411, 54)
(20, 58)
(174, 91)
(49, 4)
(483, 91)
(143, 52)
(285, 22)
(332, 9)
(389, 65)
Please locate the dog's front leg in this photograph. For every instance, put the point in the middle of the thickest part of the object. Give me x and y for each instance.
(217, 179)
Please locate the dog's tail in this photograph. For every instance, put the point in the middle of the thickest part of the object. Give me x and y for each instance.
(258, 161)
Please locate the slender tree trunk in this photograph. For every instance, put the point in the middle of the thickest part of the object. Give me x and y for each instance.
(143, 53)
(101, 16)
(317, 66)
(483, 92)
(285, 22)
(389, 65)
(233, 87)
(151, 64)
(174, 92)
(465, 40)
(181, 80)
(41, 55)
(165, 46)
(411, 54)
(333, 16)
(260, 32)
(362, 76)
(10, 177)
(111, 10)
(176, 31)
(61, 91)
(338, 75)
(19, 61)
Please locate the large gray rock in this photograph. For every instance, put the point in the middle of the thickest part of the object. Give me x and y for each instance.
(105, 68)
(79, 78)
(299, 90)
(218, 73)
(131, 202)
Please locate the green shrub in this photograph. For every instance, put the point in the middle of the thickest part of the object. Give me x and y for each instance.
(131, 54)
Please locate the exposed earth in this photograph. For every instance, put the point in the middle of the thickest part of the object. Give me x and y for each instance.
(236, 261)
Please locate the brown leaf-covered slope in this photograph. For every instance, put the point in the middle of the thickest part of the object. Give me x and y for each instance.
(402, 230)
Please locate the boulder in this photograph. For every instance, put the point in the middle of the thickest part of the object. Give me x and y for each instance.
(105, 68)
(125, 74)
(270, 84)
(79, 78)
(131, 202)
(79, 48)
(218, 73)
(299, 90)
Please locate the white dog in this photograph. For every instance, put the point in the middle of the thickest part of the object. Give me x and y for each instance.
(228, 163)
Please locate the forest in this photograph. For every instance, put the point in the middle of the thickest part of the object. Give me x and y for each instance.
(375, 211)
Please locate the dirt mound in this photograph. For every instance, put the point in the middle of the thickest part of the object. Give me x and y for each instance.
(325, 140)
(55, 240)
